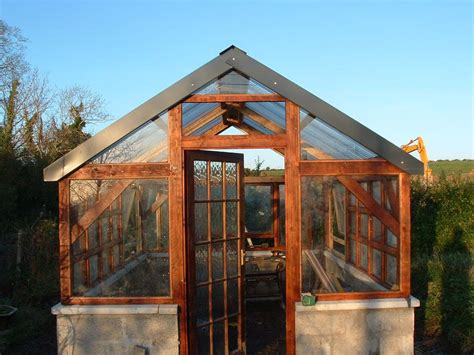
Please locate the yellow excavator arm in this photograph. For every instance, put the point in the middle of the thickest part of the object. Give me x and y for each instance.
(419, 145)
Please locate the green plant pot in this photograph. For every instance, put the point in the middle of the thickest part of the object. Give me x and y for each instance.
(6, 314)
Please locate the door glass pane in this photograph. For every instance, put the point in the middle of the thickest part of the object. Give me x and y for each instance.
(203, 341)
(216, 180)
(200, 180)
(218, 338)
(281, 217)
(392, 239)
(231, 180)
(202, 272)
(217, 261)
(231, 216)
(218, 300)
(391, 270)
(202, 300)
(377, 227)
(232, 297)
(232, 258)
(200, 221)
(216, 220)
(364, 261)
(233, 331)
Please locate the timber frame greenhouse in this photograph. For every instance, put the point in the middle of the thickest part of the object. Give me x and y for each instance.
(167, 246)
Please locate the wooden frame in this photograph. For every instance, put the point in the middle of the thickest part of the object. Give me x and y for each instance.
(287, 142)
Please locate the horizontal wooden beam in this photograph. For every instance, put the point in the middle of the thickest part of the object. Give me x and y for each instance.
(234, 142)
(235, 98)
(121, 171)
(348, 167)
(119, 300)
(264, 179)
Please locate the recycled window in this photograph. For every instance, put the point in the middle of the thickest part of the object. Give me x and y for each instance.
(119, 234)
(350, 234)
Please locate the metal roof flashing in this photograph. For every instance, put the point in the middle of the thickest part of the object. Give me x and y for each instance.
(229, 59)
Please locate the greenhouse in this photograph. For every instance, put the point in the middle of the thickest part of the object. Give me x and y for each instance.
(170, 244)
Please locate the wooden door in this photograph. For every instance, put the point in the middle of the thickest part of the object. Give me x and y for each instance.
(215, 252)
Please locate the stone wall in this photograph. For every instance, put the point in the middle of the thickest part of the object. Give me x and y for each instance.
(382, 326)
(117, 329)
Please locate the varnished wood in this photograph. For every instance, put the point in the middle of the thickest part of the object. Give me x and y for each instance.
(65, 266)
(359, 295)
(121, 171)
(405, 235)
(348, 167)
(234, 142)
(293, 222)
(235, 98)
(177, 246)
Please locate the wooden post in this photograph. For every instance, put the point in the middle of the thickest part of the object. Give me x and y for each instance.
(177, 245)
(64, 242)
(293, 221)
(405, 236)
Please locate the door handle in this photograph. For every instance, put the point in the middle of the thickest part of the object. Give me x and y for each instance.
(242, 257)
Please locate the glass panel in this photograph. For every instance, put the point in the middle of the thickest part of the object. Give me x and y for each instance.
(79, 277)
(322, 200)
(216, 218)
(364, 225)
(138, 210)
(216, 180)
(353, 251)
(232, 297)
(364, 261)
(376, 191)
(391, 270)
(233, 83)
(231, 180)
(272, 111)
(94, 268)
(218, 338)
(200, 221)
(376, 263)
(232, 258)
(203, 341)
(148, 143)
(194, 112)
(105, 262)
(321, 141)
(392, 239)
(217, 261)
(352, 200)
(281, 217)
(202, 263)
(200, 180)
(233, 331)
(218, 300)
(258, 208)
(231, 216)
(202, 300)
(377, 228)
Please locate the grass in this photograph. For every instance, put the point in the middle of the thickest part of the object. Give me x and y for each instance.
(452, 167)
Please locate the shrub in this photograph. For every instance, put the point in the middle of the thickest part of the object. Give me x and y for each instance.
(442, 249)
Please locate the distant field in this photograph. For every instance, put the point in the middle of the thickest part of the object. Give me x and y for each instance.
(450, 167)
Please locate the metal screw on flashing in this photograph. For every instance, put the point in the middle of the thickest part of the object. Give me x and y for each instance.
(233, 58)
(274, 83)
(192, 84)
(402, 162)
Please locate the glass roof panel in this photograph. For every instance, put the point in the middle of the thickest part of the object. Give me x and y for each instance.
(233, 83)
(203, 129)
(148, 143)
(273, 111)
(322, 141)
(194, 111)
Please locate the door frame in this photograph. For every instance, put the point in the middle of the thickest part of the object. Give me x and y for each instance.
(189, 157)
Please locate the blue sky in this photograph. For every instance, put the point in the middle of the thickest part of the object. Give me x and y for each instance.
(402, 68)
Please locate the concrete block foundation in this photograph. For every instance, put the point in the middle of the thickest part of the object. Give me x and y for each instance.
(117, 329)
(382, 326)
